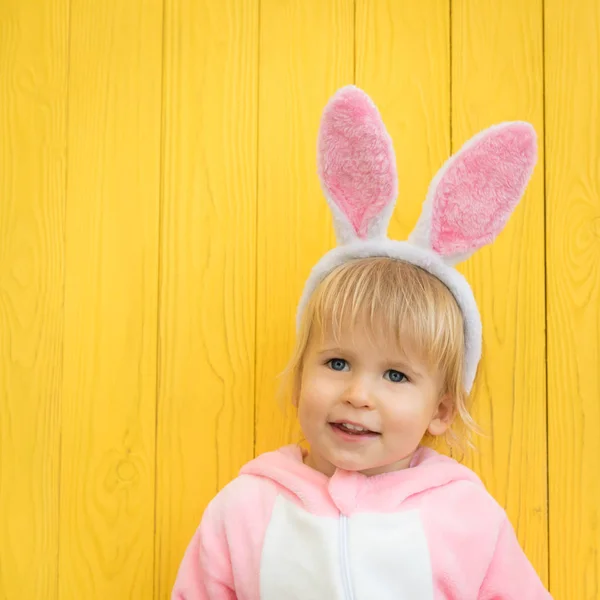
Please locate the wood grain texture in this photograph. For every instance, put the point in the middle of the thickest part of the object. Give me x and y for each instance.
(208, 263)
(306, 54)
(497, 75)
(403, 62)
(572, 46)
(108, 434)
(121, 246)
(33, 102)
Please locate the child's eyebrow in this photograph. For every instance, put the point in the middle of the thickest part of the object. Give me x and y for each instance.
(326, 349)
(406, 366)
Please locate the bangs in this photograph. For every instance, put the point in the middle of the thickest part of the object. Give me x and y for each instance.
(393, 302)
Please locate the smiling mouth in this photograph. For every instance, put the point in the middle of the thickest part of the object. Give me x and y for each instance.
(352, 429)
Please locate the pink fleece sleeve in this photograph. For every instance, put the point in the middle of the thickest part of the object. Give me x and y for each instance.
(222, 562)
(510, 575)
(205, 572)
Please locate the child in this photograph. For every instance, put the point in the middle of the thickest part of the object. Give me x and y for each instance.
(389, 338)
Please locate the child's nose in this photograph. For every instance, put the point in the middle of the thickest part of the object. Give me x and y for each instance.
(358, 393)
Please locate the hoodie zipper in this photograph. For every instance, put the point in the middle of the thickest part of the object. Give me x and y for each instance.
(345, 566)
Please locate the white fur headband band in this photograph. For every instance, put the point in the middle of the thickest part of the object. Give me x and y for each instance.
(468, 203)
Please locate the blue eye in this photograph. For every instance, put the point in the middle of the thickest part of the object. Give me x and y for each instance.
(337, 364)
(396, 376)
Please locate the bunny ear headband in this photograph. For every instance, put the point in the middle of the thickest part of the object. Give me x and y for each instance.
(468, 203)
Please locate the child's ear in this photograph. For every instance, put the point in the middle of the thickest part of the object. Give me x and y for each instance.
(443, 416)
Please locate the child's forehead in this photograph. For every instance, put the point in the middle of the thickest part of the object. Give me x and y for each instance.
(360, 336)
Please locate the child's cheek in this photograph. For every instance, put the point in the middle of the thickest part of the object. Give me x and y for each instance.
(403, 417)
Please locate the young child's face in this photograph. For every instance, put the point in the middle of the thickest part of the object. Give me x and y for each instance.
(357, 384)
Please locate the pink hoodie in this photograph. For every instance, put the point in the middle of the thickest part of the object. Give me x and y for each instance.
(283, 531)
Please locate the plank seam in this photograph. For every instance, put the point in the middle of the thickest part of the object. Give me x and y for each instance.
(548, 532)
(450, 65)
(64, 291)
(161, 187)
(256, 224)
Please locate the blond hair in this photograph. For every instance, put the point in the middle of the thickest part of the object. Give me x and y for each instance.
(391, 295)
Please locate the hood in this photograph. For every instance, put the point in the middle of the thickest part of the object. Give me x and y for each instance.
(351, 491)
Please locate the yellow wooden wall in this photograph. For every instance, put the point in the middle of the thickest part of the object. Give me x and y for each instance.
(159, 213)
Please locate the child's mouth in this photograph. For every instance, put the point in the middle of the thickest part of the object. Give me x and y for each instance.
(352, 430)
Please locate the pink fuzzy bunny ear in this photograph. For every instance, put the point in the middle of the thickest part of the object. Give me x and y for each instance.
(475, 192)
(357, 166)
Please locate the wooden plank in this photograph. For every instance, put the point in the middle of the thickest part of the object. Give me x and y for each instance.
(497, 75)
(572, 58)
(33, 102)
(108, 438)
(208, 258)
(403, 63)
(306, 54)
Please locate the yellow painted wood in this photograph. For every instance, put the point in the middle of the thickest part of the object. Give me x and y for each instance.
(33, 102)
(306, 53)
(208, 262)
(573, 247)
(108, 417)
(497, 75)
(159, 214)
(403, 62)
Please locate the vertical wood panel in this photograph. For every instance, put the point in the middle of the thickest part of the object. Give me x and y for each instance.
(497, 75)
(107, 484)
(33, 100)
(403, 63)
(208, 261)
(572, 46)
(243, 221)
(306, 53)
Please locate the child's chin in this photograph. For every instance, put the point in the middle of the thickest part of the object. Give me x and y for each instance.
(372, 467)
(348, 464)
